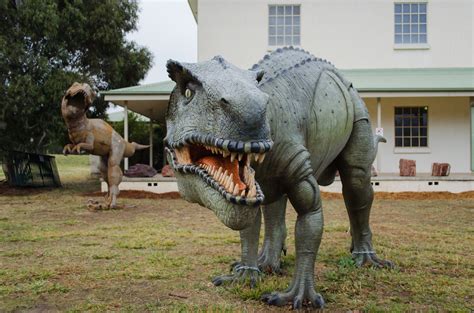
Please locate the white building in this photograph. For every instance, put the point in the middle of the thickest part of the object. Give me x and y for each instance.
(412, 62)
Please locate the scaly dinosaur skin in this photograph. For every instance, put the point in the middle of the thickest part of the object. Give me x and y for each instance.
(95, 137)
(295, 121)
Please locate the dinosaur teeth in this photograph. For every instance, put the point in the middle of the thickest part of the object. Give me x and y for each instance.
(241, 155)
(232, 156)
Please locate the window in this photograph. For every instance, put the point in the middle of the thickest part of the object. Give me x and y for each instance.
(410, 23)
(411, 127)
(284, 25)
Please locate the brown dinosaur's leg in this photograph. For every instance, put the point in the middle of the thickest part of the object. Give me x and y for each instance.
(114, 174)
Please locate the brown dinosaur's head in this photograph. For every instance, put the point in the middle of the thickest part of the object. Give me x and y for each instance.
(77, 100)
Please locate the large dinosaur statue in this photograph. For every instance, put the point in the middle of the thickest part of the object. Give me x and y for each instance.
(241, 138)
(95, 137)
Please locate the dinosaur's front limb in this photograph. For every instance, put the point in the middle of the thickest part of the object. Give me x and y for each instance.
(269, 259)
(83, 146)
(68, 149)
(306, 199)
(246, 269)
(354, 164)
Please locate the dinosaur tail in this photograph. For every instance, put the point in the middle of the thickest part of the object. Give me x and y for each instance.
(377, 140)
(132, 147)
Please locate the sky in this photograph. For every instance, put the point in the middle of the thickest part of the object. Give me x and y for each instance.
(168, 29)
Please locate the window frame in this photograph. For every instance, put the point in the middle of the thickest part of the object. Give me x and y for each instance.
(410, 137)
(401, 23)
(276, 25)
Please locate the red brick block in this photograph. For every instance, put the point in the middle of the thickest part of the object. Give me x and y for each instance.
(167, 171)
(407, 167)
(440, 169)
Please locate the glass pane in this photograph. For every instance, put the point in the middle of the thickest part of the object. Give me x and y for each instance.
(288, 10)
(288, 40)
(406, 111)
(296, 10)
(414, 38)
(398, 131)
(414, 122)
(423, 142)
(414, 18)
(288, 20)
(281, 10)
(280, 30)
(406, 142)
(398, 8)
(406, 28)
(406, 18)
(272, 20)
(422, 18)
(424, 117)
(406, 121)
(271, 31)
(406, 8)
(280, 20)
(398, 142)
(423, 39)
(414, 142)
(398, 18)
(422, 7)
(398, 29)
(423, 28)
(272, 10)
(296, 30)
(414, 28)
(296, 20)
(296, 40)
(414, 131)
(423, 131)
(398, 110)
(406, 38)
(414, 7)
(406, 132)
(272, 41)
(280, 40)
(398, 120)
(288, 30)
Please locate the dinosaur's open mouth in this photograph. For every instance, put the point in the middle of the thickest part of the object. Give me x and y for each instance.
(223, 164)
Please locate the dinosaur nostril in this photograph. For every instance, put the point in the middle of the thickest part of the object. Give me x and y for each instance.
(223, 100)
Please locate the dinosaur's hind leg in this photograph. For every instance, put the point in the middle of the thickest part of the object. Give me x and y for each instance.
(354, 165)
(114, 173)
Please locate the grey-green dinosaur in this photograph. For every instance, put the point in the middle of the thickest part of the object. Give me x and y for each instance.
(238, 139)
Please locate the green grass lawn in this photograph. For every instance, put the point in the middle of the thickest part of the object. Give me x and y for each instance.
(160, 255)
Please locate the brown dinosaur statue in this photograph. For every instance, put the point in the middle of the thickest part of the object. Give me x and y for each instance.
(96, 137)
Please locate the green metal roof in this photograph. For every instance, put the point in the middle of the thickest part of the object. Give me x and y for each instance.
(364, 80)
(160, 88)
(411, 80)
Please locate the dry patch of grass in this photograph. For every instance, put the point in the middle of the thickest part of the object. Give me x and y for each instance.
(160, 254)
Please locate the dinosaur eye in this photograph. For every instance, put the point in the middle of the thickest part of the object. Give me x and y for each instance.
(188, 93)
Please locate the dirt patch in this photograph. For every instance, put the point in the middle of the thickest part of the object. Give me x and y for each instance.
(7, 190)
(409, 195)
(137, 194)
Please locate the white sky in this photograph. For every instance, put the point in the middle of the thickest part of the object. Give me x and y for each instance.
(168, 29)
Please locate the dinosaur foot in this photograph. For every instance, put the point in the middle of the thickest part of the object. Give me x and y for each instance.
(369, 258)
(269, 261)
(300, 293)
(240, 274)
(94, 205)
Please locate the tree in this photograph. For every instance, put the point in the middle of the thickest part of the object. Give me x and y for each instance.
(47, 45)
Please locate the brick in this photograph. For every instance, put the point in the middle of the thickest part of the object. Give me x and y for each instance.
(407, 167)
(440, 169)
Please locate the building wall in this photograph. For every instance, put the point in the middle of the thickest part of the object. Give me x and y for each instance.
(449, 133)
(349, 33)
